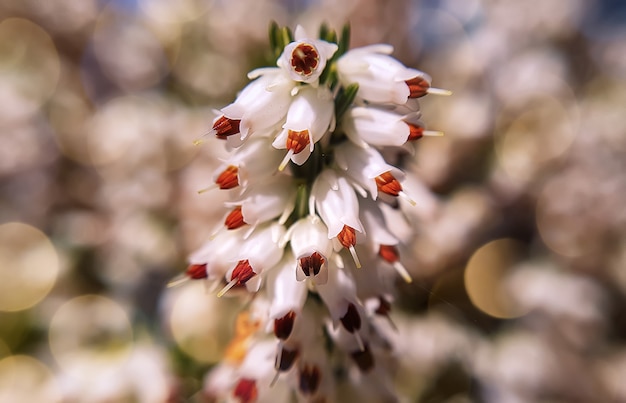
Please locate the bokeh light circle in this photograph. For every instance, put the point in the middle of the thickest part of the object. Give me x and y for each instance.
(486, 277)
(201, 323)
(87, 330)
(24, 379)
(29, 265)
(29, 68)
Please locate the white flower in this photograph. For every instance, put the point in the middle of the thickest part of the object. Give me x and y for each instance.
(261, 104)
(254, 160)
(312, 248)
(261, 251)
(217, 255)
(286, 293)
(305, 58)
(366, 167)
(266, 200)
(381, 78)
(378, 127)
(334, 199)
(310, 116)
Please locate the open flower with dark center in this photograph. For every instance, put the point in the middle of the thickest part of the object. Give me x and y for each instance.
(305, 58)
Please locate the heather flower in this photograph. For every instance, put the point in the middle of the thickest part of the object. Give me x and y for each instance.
(381, 78)
(309, 232)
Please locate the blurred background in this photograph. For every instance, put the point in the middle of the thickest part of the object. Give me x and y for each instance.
(520, 259)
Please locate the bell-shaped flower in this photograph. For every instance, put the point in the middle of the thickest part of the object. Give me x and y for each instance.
(260, 106)
(305, 58)
(260, 252)
(287, 296)
(336, 203)
(216, 256)
(311, 247)
(266, 200)
(382, 127)
(368, 169)
(310, 116)
(381, 78)
(255, 375)
(340, 297)
(254, 160)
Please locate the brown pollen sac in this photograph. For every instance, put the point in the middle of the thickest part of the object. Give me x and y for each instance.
(418, 87)
(242, 272)
(389, 253)
(311, 265)
(228, 179)
(246, 390)
(415, 132)
(304, 59)
(388, 184)
(285, 359)
(196, 271)
(363, 359)
(310, 378)
(234, 219)
(296, 141)
(351, 321)
(347, 237)
(283, 326)
(225, 127)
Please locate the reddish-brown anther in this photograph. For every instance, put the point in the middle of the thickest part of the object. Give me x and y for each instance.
(283, 326)
(304, 59)
(388, 184)
(285, 359)
(246, 390)
(234, 220)
(296, 141)
(363, 358)
(389, 253)
(310, 378)
(415, 132)
(351, 321)
(347, 237)
(311, 265)
(242, 272)
(225, 127)
(228, 179)
(196, 271)
(418, 87)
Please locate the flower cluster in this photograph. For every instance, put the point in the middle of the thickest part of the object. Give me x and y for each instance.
(310, 232)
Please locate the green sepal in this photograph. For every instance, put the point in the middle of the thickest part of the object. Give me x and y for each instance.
(344, 99)
(344, 41)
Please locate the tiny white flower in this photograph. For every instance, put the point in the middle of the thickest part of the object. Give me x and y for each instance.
(310, 116)
(335, 201)
(312, 248)
(305, 58)
(261, 104)
(365, 166)
(380, 127)
(254, 160)
(381, 78)
(286, 293)
(217, 254)
(260, 252)
(266, 200)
